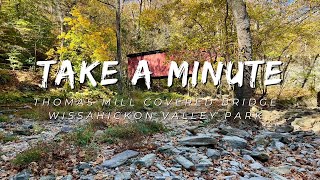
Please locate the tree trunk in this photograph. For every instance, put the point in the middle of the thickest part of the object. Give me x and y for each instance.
(242, 23)
(318, 99)
(118, 34)
(309, 71)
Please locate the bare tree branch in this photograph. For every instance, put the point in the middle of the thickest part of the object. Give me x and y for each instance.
(108, 4)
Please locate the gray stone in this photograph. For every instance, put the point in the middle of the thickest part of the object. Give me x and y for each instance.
(281, 170)
(119, 159)
(23, 175)
(234, 163)
(66, 129)
(161, 177)
(167, 149)
(248, 158)
(278, 145)
(284, 129)
(200, 140)
(123, 176)
(147, 160)
(50, 177)
(98, 133)
(291, 159)
(202, 166)
(275, 176)
(192, 129)
(27, 125)
(84, 166)
(213, 153)
(235, 132)
(261, 156)
(161, 167)
(184, 162)
(257, 178)
(234, 142)
(294, 147)
(67, 177)
(87, 177)
(273, 135)
(256, 165)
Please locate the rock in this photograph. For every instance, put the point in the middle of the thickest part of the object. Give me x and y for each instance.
(184, 162)
(22, 131)
(256, 165)
(261, 156)
(258, 178)
(66, 129)
(27, 125)
(68, 177)
(50, 177)
(119, 159)
(281, 170)
(192, 129)
(87, 177)
(278, 145)
(284, 129)
(98, 133)
(23, 175)
(234, 163)
(147, 160)
(275, 176)
(248, 158)
(291, 159)
(234, 142)
(84, 166)
(202, 166)
(234, 132)
(274, 135)
(161, 167)
(261, 140)
(294, 147)
(123, 176)
(167, 149)
(284, 140)
(200, 140)
(213, 153)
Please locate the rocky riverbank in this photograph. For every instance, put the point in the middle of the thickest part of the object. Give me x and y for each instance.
(191, 150)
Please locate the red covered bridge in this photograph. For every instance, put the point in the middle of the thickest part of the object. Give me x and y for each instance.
(158, 61)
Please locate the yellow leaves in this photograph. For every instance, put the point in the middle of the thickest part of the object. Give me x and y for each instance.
(86, 39)
(50, 53)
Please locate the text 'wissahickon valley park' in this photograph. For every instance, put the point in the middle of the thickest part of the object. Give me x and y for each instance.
(66, 71)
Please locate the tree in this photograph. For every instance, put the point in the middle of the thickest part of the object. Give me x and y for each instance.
(242, 24)
(117, 9)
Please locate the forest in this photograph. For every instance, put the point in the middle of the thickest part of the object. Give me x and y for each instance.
(233, 51)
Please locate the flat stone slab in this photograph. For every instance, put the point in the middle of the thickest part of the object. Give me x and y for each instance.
(184, 162)
(147, 160)
(234, 142)
(120, 159)
(198, 141)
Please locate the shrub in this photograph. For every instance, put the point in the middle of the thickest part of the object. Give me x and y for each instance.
(83, 135)
(5, 77)
(5, 139)
(4, 118)
(28, 156)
